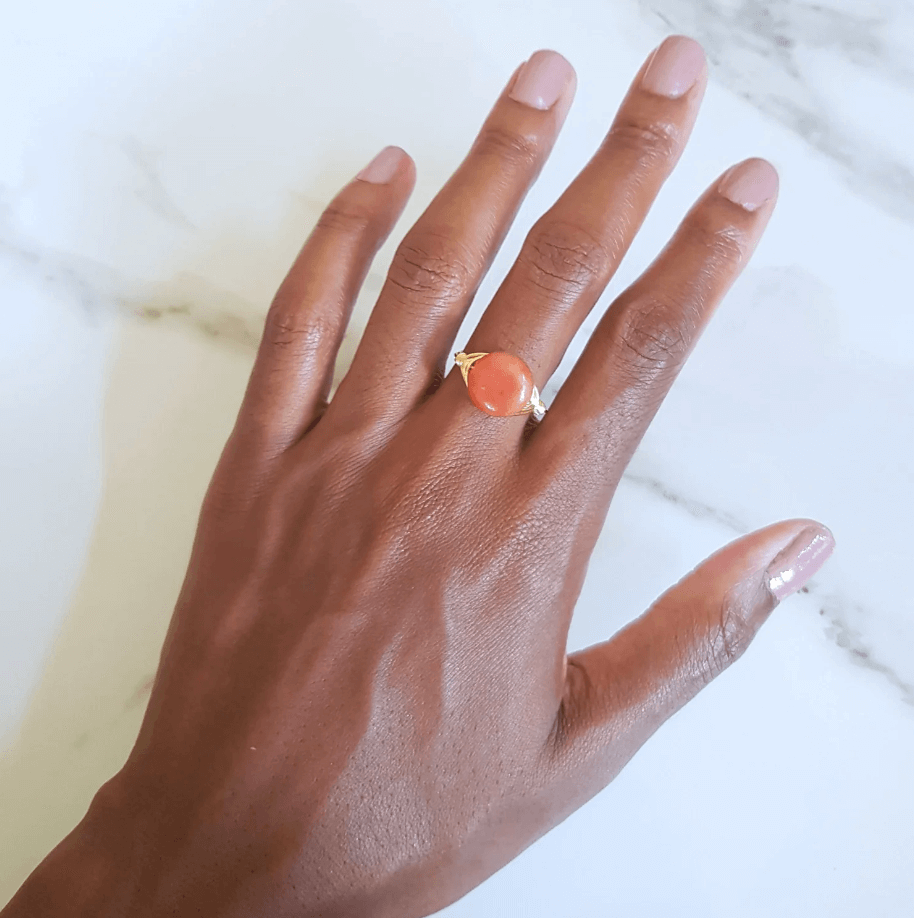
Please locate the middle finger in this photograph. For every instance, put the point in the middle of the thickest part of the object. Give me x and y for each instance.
(572, 251)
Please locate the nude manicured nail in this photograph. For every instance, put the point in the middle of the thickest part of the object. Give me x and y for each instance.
(674, 67)
(749, 184)
(799, 561)
(383, 167)
(542, 80)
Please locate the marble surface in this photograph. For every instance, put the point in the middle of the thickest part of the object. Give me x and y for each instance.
(161, 165)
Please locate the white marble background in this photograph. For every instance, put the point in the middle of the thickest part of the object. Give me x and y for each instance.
(160, 165)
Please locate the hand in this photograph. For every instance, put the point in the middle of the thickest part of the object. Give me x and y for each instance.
(364, 705)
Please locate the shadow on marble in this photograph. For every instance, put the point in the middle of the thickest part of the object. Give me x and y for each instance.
(176, 377)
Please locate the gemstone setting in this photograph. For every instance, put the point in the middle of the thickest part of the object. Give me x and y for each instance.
(501, 384)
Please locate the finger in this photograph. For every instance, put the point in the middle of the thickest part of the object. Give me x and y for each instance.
(573, 250)
(627, 367)
(618, 693)
(293, 371)
(441, 261)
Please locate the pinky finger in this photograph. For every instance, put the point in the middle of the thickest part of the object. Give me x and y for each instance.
(304, 327)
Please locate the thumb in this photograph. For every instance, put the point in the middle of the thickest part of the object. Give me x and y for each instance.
(619, 692)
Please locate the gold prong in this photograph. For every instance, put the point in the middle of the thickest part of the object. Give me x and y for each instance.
(535, 406)
(465, 361)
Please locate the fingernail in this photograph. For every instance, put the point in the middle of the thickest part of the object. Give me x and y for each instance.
(800, 561)
(749, 184)
(675, 65)
(383, 167)
(542, 80)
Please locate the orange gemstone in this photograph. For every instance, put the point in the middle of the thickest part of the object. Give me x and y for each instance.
(500, 384)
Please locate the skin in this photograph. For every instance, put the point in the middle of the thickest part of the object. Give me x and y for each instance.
(364, 705)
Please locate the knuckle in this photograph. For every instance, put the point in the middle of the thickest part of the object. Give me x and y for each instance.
(728, 634)
(342, 216)
(722, 246)
(652, 140)
(655, 334)
(431, 268)
(518, 148)
(562, 257)
(304, 330)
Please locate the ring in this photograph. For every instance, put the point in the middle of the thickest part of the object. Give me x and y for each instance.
(500, 384)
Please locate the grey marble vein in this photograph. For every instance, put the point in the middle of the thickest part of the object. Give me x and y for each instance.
(861, 653)
(754, 48)
(187, 300)
(693, 508)
(151, 190)
(89, 283)
(832, 608)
